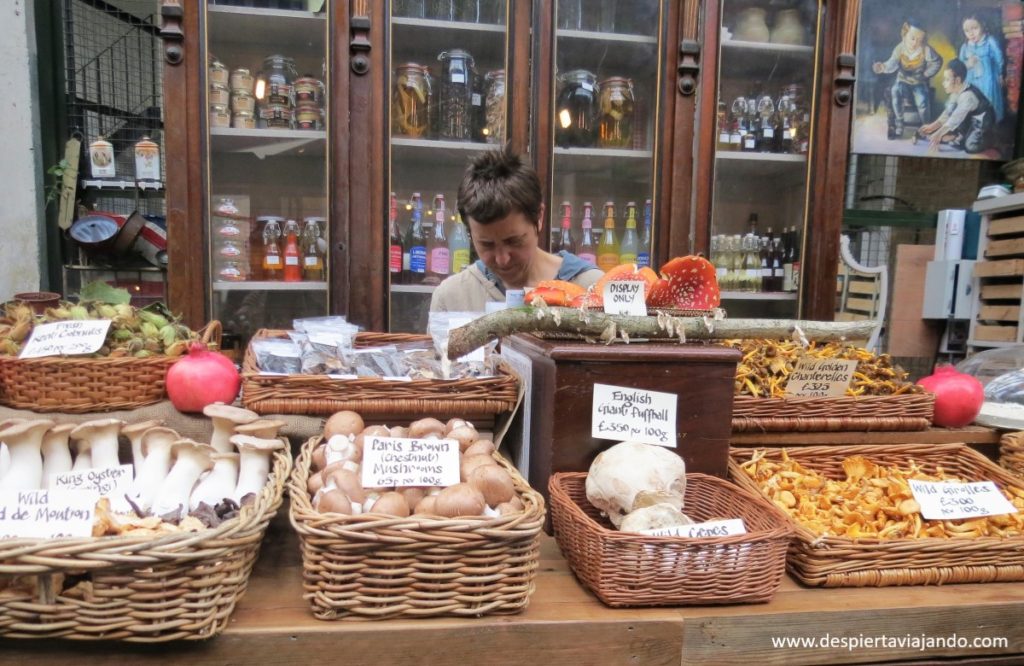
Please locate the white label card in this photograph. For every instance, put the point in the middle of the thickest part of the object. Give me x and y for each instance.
(625, 297)
(477, 354)
(710, 529)
(634, 415)
(110, 482)
(399, 461)
(66, 338)
(820, 377)
(46, 514)
(942, 500)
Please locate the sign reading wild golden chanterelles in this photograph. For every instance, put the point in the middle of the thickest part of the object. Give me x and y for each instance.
(394, 462)
(820, 377)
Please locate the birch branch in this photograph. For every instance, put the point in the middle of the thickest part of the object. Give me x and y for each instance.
(607, 328)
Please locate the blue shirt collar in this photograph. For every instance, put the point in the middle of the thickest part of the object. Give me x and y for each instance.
(570, 268)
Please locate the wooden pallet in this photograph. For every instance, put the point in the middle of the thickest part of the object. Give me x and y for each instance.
(998, 276)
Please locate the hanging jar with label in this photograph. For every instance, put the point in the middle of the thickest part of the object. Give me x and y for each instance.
(616, 101)
(494, 131)
(576, 110)
(456, 119)
(409, 116)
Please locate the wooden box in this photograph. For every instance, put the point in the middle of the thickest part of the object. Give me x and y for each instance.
(561, 398)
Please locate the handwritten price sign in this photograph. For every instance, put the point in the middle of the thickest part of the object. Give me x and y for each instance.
(820, 378)
(940, 500)
(710, 529)
(629, 414)
(398, 461)
(110, 482)
(66, 338)
(46, 514)
(625, 297)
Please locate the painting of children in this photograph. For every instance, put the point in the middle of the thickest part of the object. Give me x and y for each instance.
(933, 78)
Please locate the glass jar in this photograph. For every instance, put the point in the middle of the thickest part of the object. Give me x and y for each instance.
(309, 116)
(274, 116)
(244, 120)
(576, 109)
(241, 79)
(409, 102)
(456, 104)
(616, 103)
(279, 74)
(219, 116)
(219, 94)
(494, 130)
(308, 89)
(230, 250)
(217, 72)
(242, 101)
(230, 271)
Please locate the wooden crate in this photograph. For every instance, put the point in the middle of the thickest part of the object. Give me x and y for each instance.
(998, 275)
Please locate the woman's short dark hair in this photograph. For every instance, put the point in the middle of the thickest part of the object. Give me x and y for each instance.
(496, 184)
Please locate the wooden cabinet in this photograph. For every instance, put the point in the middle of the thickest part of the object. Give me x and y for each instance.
(664, 64)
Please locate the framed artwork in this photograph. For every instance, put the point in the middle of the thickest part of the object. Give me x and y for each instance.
(938, 78)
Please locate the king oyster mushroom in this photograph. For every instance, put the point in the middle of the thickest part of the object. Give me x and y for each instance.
(219, 484)
(102, 437)
(631, 475)
(253, 463)
(24, 442)
(56, 451)
(134, 433)
(191, 459)
(263, 428)
(156, 445)
(83, 456)
(5, 455)
(225, 418)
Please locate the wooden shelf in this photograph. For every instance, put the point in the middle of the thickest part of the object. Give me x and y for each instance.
(422, 40)
(614, 37)
(260, 285)
(268, 142)
(791, 158)
(1010, 202)
(758, 296)
(289, 32)
(767, 47)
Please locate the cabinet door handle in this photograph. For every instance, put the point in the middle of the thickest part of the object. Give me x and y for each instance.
(171, 14)
(359, 44)
(689, 66)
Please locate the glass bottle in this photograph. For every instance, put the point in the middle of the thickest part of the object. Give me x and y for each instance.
(734, 264)
(723, 127)
(796, 259)
(576, 109)
(766, 123)
(787, 259)
(630, 245)
(764, 250)
(456, 106)
(439, 261)
(616, 102)
(292, 253)
(587, 249)
(570, 14)
(776, 262)
(643, 257)
(272, 262)
(312, 262)
(737, 127)
(751, 264)
(494, 128)
(720, 260)
(608, 246)
(394, 242)
(752, 224)
(439, 9)
(416, 241)
(565, 240)
(459, 245)
(409, 102)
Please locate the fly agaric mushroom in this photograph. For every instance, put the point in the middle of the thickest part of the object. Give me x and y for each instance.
(219, 484)
(630, 475)
(134, 433)
(687, 283)
(253, 463)
(190, 460)
(156, 444)
(24, 442)
(56, 452)
(102, 437)
(225, 418)
(263, 428)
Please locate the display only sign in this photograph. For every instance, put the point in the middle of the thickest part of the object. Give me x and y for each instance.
(635, 415)
(625, 297)
(393, 462)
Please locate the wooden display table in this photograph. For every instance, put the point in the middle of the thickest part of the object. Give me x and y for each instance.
(564, 624)
(985, 440)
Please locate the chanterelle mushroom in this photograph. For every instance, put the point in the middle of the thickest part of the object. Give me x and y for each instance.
(24, 442)
(631, 475)
(102, 437)
(225, 418)
(253, 464)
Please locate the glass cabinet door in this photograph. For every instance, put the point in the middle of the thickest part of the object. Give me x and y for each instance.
(447, 101)
(766, 96)
(266, 168)
(605, 143)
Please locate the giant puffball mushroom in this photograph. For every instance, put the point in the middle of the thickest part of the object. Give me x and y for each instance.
(191, 459)
(263, 428)
(219, 484)
(156, 445)
(56, 452)
(618, 474)
(24, 442)
(134, 433)
(102, 437)
(253, 463)
(225, 418)
(654, 517)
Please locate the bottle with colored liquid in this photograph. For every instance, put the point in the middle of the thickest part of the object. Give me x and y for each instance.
(587, 249)
(459, 245)
(394, 242)
(272, 262)
(439, 261)
(312, 262)
(292, 254)
(629, 248)
(608, 246)
(565, 240)
(643, 257)
(416, 241)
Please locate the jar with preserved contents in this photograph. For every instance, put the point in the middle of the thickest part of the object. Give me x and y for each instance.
(219, 94)
(241, 79)
(230, 249)
(576, 109)
(227, 228)
(226, 208)
(479, 107)
(309, 116)
(616, 105)
(219, 116)
(217, 72)
(494, 132)
(242, 100)
(274, 116)
(308, 89)
(231, 271)
(409, 102)
(456, 104)
(244, 120)
(279, 73)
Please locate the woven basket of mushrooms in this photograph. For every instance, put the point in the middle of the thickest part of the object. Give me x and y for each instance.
(490, 518)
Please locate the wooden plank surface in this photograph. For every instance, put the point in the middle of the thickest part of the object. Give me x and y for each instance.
(999, 313)
(999, 268)
(1001, 291)
(969, 435)
(1006, 225)
(1005, 248)
(995, 333)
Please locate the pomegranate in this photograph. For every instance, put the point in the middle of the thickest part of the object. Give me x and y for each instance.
(201, 378)
(958, 397)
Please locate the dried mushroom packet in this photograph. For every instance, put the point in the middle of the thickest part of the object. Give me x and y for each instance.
(277, 355)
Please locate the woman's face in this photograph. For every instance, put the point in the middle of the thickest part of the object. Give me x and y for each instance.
(914, 38)
(972, 30)
(507, 246)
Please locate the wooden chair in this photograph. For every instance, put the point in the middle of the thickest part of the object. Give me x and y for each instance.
(861, 292)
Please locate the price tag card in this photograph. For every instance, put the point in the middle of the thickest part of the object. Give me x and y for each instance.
(66, 338)
(110, 482)
(475, 355)
(634, 415)
(942, 500)
(46, 514)
(399, 461)
(712, 528)
(625, 297)
(820, 378)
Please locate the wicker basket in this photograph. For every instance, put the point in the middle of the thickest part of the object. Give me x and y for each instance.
(319, 395)
(368, 567)
(829, 561)
(868, 413)
(625, 569)
(1011, 452)
(73, 385)
(143, 589)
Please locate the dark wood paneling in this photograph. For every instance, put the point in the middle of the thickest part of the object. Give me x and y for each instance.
(542, 96)
(676, 131)
(338, 131)
(702, 182)
(518, 76)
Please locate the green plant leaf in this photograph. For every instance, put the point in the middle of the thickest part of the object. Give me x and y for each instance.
(99, 290)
